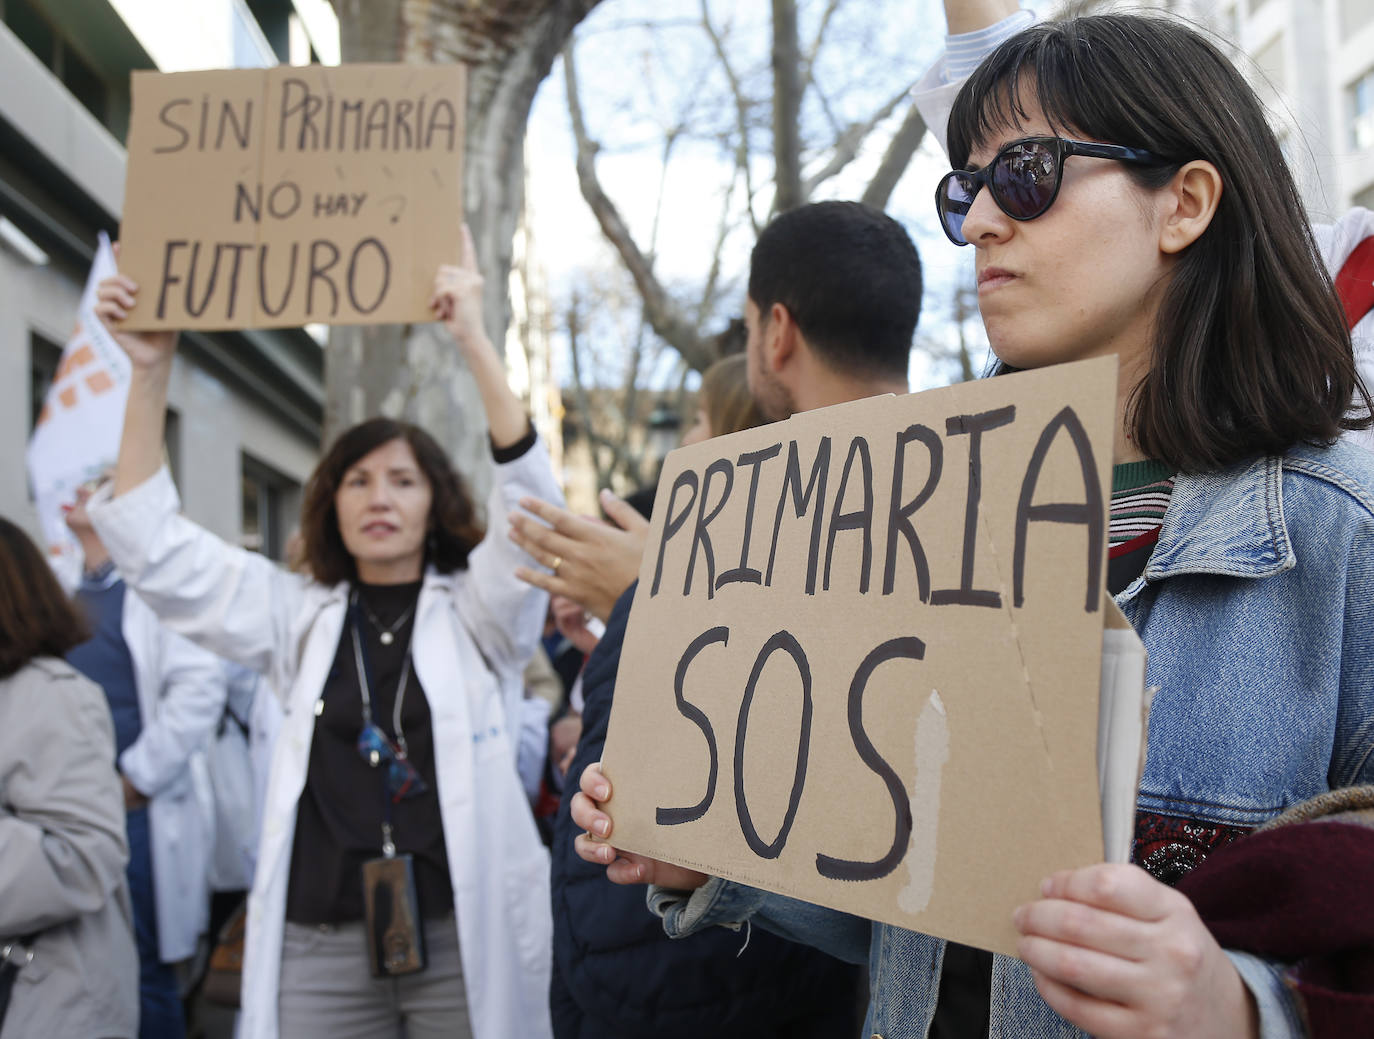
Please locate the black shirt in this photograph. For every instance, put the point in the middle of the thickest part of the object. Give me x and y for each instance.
(339, 816)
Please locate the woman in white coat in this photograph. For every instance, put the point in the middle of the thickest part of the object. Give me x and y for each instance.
(407, 597)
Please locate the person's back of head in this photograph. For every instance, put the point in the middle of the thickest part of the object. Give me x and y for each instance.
(850, 277)
(37, 619)
(725, 390)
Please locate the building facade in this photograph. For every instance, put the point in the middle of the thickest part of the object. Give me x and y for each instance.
(1312, 64)
(245, 408)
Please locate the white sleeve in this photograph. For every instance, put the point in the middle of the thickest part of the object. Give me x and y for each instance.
(235, 603)
(190, 704)
(505, 614)
(934, 93)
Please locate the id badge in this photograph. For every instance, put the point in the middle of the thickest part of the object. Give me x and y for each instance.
(395, 932)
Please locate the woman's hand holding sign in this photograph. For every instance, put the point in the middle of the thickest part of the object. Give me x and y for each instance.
(622, 867)
(1121, 955)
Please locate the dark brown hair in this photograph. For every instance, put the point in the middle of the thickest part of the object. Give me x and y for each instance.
(453, 527)
(1251, 353)
(725, 389)
(37, 619)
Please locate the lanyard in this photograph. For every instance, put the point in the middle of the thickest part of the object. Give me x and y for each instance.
(364, 688)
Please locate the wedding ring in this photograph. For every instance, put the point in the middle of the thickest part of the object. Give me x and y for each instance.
(557, 562)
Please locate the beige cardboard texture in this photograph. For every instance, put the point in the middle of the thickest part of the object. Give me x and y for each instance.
(888, 704)
(265, 198)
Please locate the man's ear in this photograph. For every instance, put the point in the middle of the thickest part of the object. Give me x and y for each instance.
(1191, 200)
(781, 337)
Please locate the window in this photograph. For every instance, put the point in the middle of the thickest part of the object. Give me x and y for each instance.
(269, 505)
(1360, 102)
(44, 356)
(40, 35)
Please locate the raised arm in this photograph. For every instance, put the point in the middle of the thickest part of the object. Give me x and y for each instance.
(150, 356)
(963, 16)
(233, 602)
(457, 302)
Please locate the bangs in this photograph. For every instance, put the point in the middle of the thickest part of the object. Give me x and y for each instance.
(1058, 70)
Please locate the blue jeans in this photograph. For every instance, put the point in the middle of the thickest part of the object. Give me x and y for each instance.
(159, 1002)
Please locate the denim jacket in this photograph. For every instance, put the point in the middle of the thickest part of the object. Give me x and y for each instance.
(1255, 608)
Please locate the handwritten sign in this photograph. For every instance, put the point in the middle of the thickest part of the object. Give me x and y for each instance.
(863, 661)
(261, 198)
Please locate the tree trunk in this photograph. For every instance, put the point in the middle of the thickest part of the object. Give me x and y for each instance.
(414, 371)
(787, 98)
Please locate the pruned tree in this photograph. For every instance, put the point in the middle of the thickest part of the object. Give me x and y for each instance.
(509, 46)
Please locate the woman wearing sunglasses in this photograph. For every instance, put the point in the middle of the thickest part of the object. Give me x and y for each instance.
(1125, 197)
(396, 892)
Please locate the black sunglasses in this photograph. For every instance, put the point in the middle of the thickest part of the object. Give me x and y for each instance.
(1023, 177)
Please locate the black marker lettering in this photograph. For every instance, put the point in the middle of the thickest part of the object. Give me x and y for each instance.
(687, 478)
(694, 714)
(860, 519)
(168, 279)
(906, 648)
(238, 249)
(384, 279)
(1089, 513)
(378, 120)
(191, 308)
(783, 640)
(280, 207)
(322, 274)
(448, 125)
(290, 108)
(354, 109)
(252, 202)
(262, 279)
(815, 491)
(700, 538)
(163, 117)
(242, 132)
(403, 110)
(899, 515)
(975, 426)
(745, 574)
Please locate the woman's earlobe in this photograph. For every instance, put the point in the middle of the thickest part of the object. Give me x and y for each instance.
(1194, 194)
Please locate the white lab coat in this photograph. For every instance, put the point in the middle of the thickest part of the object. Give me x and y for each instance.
(287, 628)
(180, 699)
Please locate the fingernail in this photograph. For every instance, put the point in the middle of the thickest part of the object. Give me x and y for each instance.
(639, 873)
(602, 826)
(606, 854)
(602, 791)
(1046, 886)
(1018, 917)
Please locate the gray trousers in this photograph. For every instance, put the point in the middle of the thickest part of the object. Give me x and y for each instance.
(328, 991)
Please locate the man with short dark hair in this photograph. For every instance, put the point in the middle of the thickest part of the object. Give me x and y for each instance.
(834, 296)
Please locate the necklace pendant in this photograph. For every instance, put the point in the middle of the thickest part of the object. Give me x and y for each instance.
(387, 638)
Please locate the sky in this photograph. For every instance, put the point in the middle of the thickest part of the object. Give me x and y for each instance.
(624, 95)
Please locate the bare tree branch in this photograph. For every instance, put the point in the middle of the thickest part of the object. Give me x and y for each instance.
(741, 112)
(814, 50)
(787, 97)
(846, 148)
(895, 160)
(661, 311)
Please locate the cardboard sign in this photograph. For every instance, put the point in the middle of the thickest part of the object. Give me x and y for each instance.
(262, 198)
(863, 662)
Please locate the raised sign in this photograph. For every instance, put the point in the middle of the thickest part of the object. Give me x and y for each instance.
(275, 197)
